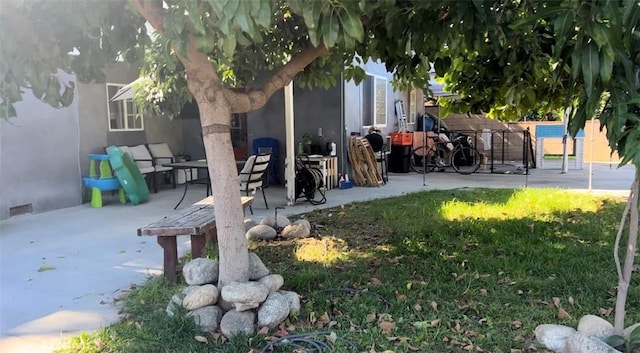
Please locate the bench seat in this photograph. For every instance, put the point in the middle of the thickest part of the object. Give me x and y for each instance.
(197, 221)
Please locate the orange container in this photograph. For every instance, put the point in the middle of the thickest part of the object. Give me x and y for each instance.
(402, 138)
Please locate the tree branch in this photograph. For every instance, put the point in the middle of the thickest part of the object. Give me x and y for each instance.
(255, 99)
(152, 11)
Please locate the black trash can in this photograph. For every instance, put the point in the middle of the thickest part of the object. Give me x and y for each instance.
(400, 158)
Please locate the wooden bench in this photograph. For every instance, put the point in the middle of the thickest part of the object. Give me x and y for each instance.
(197, 221)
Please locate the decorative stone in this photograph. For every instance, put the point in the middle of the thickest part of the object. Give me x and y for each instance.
(257, 269)
(201, 297)
(174, 304)
(627, 332)
(294, 301)
(246, 295)
(293, 231)
(273, 311)
(595, 326)
(200, 271)
(304, 222)
(554, 337)
(207, 318)
(249, 223)
(581, 343)
(234, 322)
(281, 222)
(273, 282)
(261, 231)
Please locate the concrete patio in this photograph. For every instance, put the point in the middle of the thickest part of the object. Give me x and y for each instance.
(94, 254)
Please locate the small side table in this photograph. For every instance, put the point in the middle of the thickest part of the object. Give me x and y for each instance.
(105, 181)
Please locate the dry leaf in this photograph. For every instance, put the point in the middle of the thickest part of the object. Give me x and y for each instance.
(387, 327)
(400, 297)
(263, 331)
(435, 322)
(375, 281)
(483, 291)
(571, 301)
(371, 317)
(413, 349)
(605, 312)
(201, 339)
(417, 307)
(515, 324)
(332, 323)
(460, 277)
(434, 306)
(556, 302)
(332, 337)
(468, 347)
(562, 314)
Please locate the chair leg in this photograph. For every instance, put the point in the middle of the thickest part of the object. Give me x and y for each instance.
(246, 192)
(265, 198)
(155, 182)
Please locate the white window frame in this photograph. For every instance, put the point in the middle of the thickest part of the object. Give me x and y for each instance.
(123, 106)
(380, 118)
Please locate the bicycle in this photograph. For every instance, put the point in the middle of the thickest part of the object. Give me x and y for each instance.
(457, 153)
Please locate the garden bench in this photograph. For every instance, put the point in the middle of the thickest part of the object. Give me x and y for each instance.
(197, 221)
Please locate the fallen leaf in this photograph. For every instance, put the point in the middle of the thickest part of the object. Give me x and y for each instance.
(375, 281)
(263, 331)
(515, 324)
(371, 317)
(46, 267)
(562, 314)
(417, 307)
(201, 339)
(401, 297)
(571, 301)
(460, 277)
(483, 291)
(332, 337)
(434, 306)
(435, 322)
(468, 347)
(605, 312)
(387, 327)
(556, 302)
(413, 349)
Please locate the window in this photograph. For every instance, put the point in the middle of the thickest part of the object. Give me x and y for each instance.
(374, 101)
(122, 113)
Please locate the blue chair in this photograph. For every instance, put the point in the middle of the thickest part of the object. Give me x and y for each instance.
(263, 145)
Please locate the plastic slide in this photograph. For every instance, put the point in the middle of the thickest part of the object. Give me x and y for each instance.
(129, 175)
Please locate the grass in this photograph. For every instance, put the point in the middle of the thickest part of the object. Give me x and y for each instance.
(440, 271)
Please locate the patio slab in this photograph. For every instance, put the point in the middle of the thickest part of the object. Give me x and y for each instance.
(87, 257)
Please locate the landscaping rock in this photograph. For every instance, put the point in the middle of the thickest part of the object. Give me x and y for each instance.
(293, 231)
(201, 297)
(188, 290)
(200, 271)
(234, 322)
(273, 282)
(245, 296)
(249, 223)
(207, 318)
(174, 304)
(595, 326)
(261, 231)
(581, 343)
(273, 311)
(294, 301)
(270, 221)
(257, 269)
(304, 222)
(554, 337)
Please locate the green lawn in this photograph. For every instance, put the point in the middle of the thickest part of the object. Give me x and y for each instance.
(438, 271)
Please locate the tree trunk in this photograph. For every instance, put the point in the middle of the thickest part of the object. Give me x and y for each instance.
(215, 118)
(625, 279)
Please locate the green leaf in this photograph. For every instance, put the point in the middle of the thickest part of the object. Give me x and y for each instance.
(603, 38)
(205, 44)
(229, 46)
(353, 26)
(230, 9)
(606, 68)
(263, 17)
(217, 5)
(590, 67)
(614, 341)
(194, 16)
(562, 25)
(330, 30)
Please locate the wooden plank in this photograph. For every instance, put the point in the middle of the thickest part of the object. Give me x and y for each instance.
(195, 219)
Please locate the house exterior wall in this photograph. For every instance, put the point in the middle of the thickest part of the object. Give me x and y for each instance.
(39, 163)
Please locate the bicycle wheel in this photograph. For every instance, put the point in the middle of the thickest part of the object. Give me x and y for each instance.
(465, 160)
(423, 159)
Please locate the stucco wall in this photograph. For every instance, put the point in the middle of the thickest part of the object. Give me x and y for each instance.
(39, 163)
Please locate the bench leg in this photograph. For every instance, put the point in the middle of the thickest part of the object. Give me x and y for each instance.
(198, 241)
(170, 246)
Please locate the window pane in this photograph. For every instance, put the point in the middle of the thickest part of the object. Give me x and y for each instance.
(367, 101)
(122, 113)
(381, 101)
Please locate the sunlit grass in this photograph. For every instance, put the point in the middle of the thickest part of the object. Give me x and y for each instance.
(528, 203)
